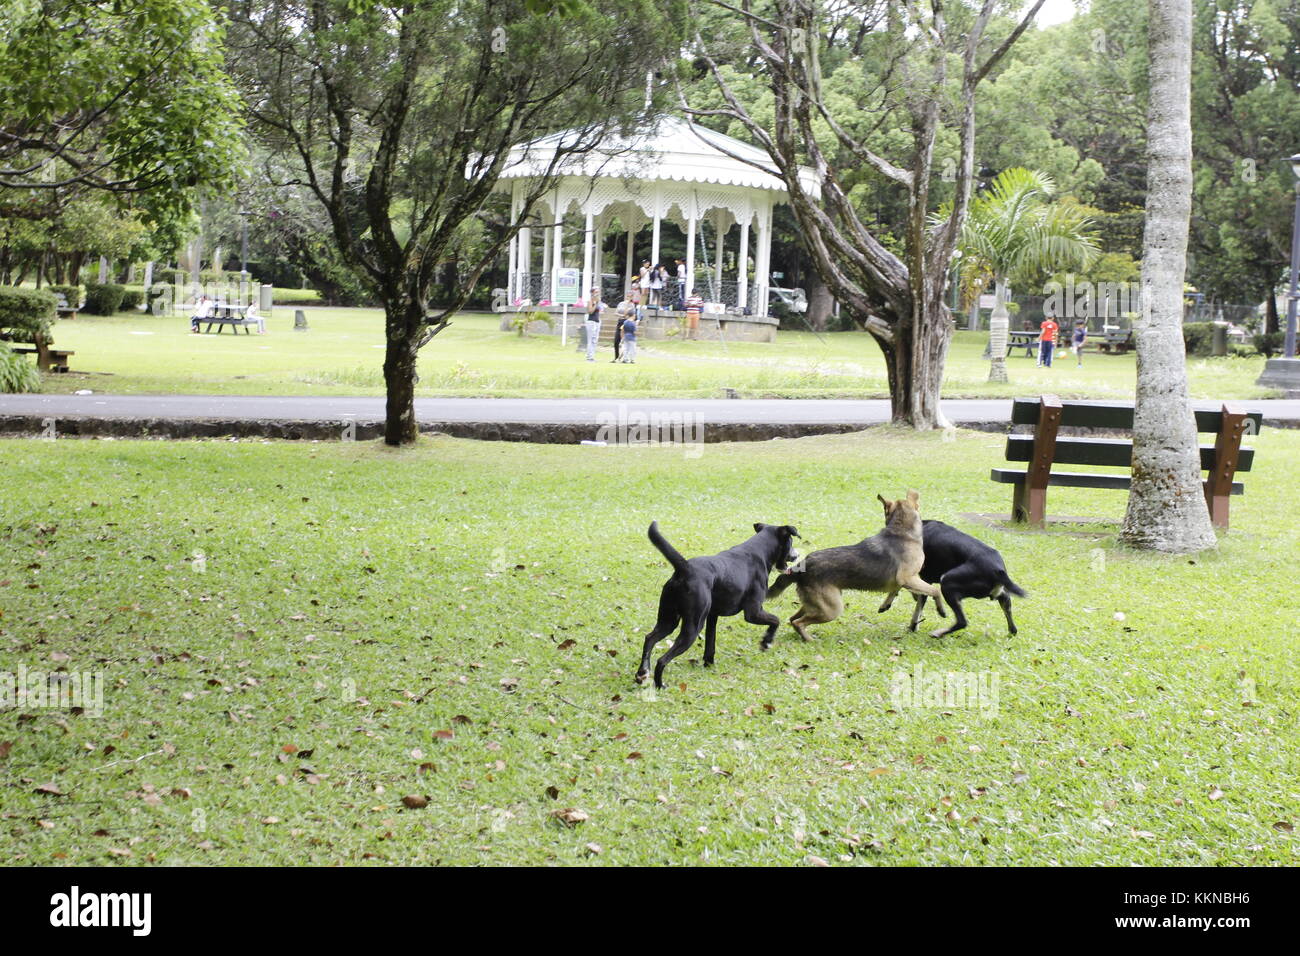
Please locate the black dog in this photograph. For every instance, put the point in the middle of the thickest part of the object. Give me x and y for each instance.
(702, 590)
(963, 567)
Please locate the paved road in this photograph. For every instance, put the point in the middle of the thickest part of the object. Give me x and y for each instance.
(510, 410)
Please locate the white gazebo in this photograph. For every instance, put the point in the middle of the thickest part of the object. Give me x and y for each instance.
(718, 191)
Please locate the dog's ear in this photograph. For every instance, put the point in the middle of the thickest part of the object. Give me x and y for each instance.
(881, 499)
(790, 531)
(759, 526)
(914, 496)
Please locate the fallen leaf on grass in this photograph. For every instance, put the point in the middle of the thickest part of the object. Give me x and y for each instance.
(570, 816)
(415, 801)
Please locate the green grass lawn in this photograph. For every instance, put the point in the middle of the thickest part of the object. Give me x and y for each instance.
(342, 354)
(295, 637)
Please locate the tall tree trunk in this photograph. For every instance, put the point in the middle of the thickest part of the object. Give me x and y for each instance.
(1166, 504)
(820, 301)
(404, 320)
(1271, 323)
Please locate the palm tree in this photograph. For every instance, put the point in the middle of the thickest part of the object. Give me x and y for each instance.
(1014, 234)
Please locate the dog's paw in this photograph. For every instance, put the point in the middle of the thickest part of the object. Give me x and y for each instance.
(941, 632)
(641, 677)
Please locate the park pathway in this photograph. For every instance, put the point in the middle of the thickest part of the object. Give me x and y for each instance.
(518, 418)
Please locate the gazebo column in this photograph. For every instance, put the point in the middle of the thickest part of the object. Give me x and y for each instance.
(761, 262)
(717, 265)
(546, 264)
(690, 253)
(631, 254)
(654, 236)
(742, 267)
(588, 231)
(525, 262)
(512, 258)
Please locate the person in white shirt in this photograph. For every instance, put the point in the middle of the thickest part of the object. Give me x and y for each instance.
(202, 310)
(250, 315)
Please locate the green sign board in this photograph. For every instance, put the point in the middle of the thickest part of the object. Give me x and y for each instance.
(567, 282)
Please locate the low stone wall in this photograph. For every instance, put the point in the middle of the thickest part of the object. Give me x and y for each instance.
(727, 327)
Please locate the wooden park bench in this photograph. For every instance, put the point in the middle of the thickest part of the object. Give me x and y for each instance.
(47, 359)
(1044, 449)
(64, 310)
(1117, 341)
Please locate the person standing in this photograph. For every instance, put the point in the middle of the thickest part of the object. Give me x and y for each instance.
(681, 285)
(594, 308)
(622, 311)
(657, 285)
(643, 281)
(1047, 340)
(629, 340)
(1080, 336)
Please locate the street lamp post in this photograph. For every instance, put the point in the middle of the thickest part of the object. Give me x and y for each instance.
(1293, 296)
(1284, 372)
(243, 243)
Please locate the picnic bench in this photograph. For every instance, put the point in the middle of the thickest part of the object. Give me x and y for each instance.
(225, 315)
(1118, 341)
(1043, 449)
(1026, 339)
(47, 359)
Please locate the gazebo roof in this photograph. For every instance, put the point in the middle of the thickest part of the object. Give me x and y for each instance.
(674, 150)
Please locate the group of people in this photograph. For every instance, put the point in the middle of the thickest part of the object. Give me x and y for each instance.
(1047, 333)
(205, 307)
(628, 313)
(653, 279)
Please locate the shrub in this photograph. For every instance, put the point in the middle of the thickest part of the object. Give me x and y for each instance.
(132, 299)
(26, 313)
(16, 373)
(103, 299)
(523, 319)
(1198, 337)
(72, 293)
(1268, 344)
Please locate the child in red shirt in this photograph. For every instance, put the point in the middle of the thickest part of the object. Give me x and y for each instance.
(1047, 340)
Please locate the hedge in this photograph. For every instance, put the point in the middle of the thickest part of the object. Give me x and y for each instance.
(103, 299)
(24, 313)
(1198, 337)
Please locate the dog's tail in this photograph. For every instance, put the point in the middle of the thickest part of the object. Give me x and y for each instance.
(666, 549)
(1011, 587)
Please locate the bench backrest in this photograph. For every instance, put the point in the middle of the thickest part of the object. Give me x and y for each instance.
(1118, 416)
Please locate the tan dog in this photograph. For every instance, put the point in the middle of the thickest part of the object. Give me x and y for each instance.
(889, 561)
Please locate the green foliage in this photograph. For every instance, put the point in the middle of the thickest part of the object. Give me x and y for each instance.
(1198, 338)
(71, 293)
(104, 299)
(523, 319)
(1268, 344)
(131, 299)
(131, 97)
(26, 313)
(16, 373)
(1013, 234)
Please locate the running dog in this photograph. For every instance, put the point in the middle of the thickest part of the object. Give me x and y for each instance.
(702, 590)
(888, 561)
(963, 567)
